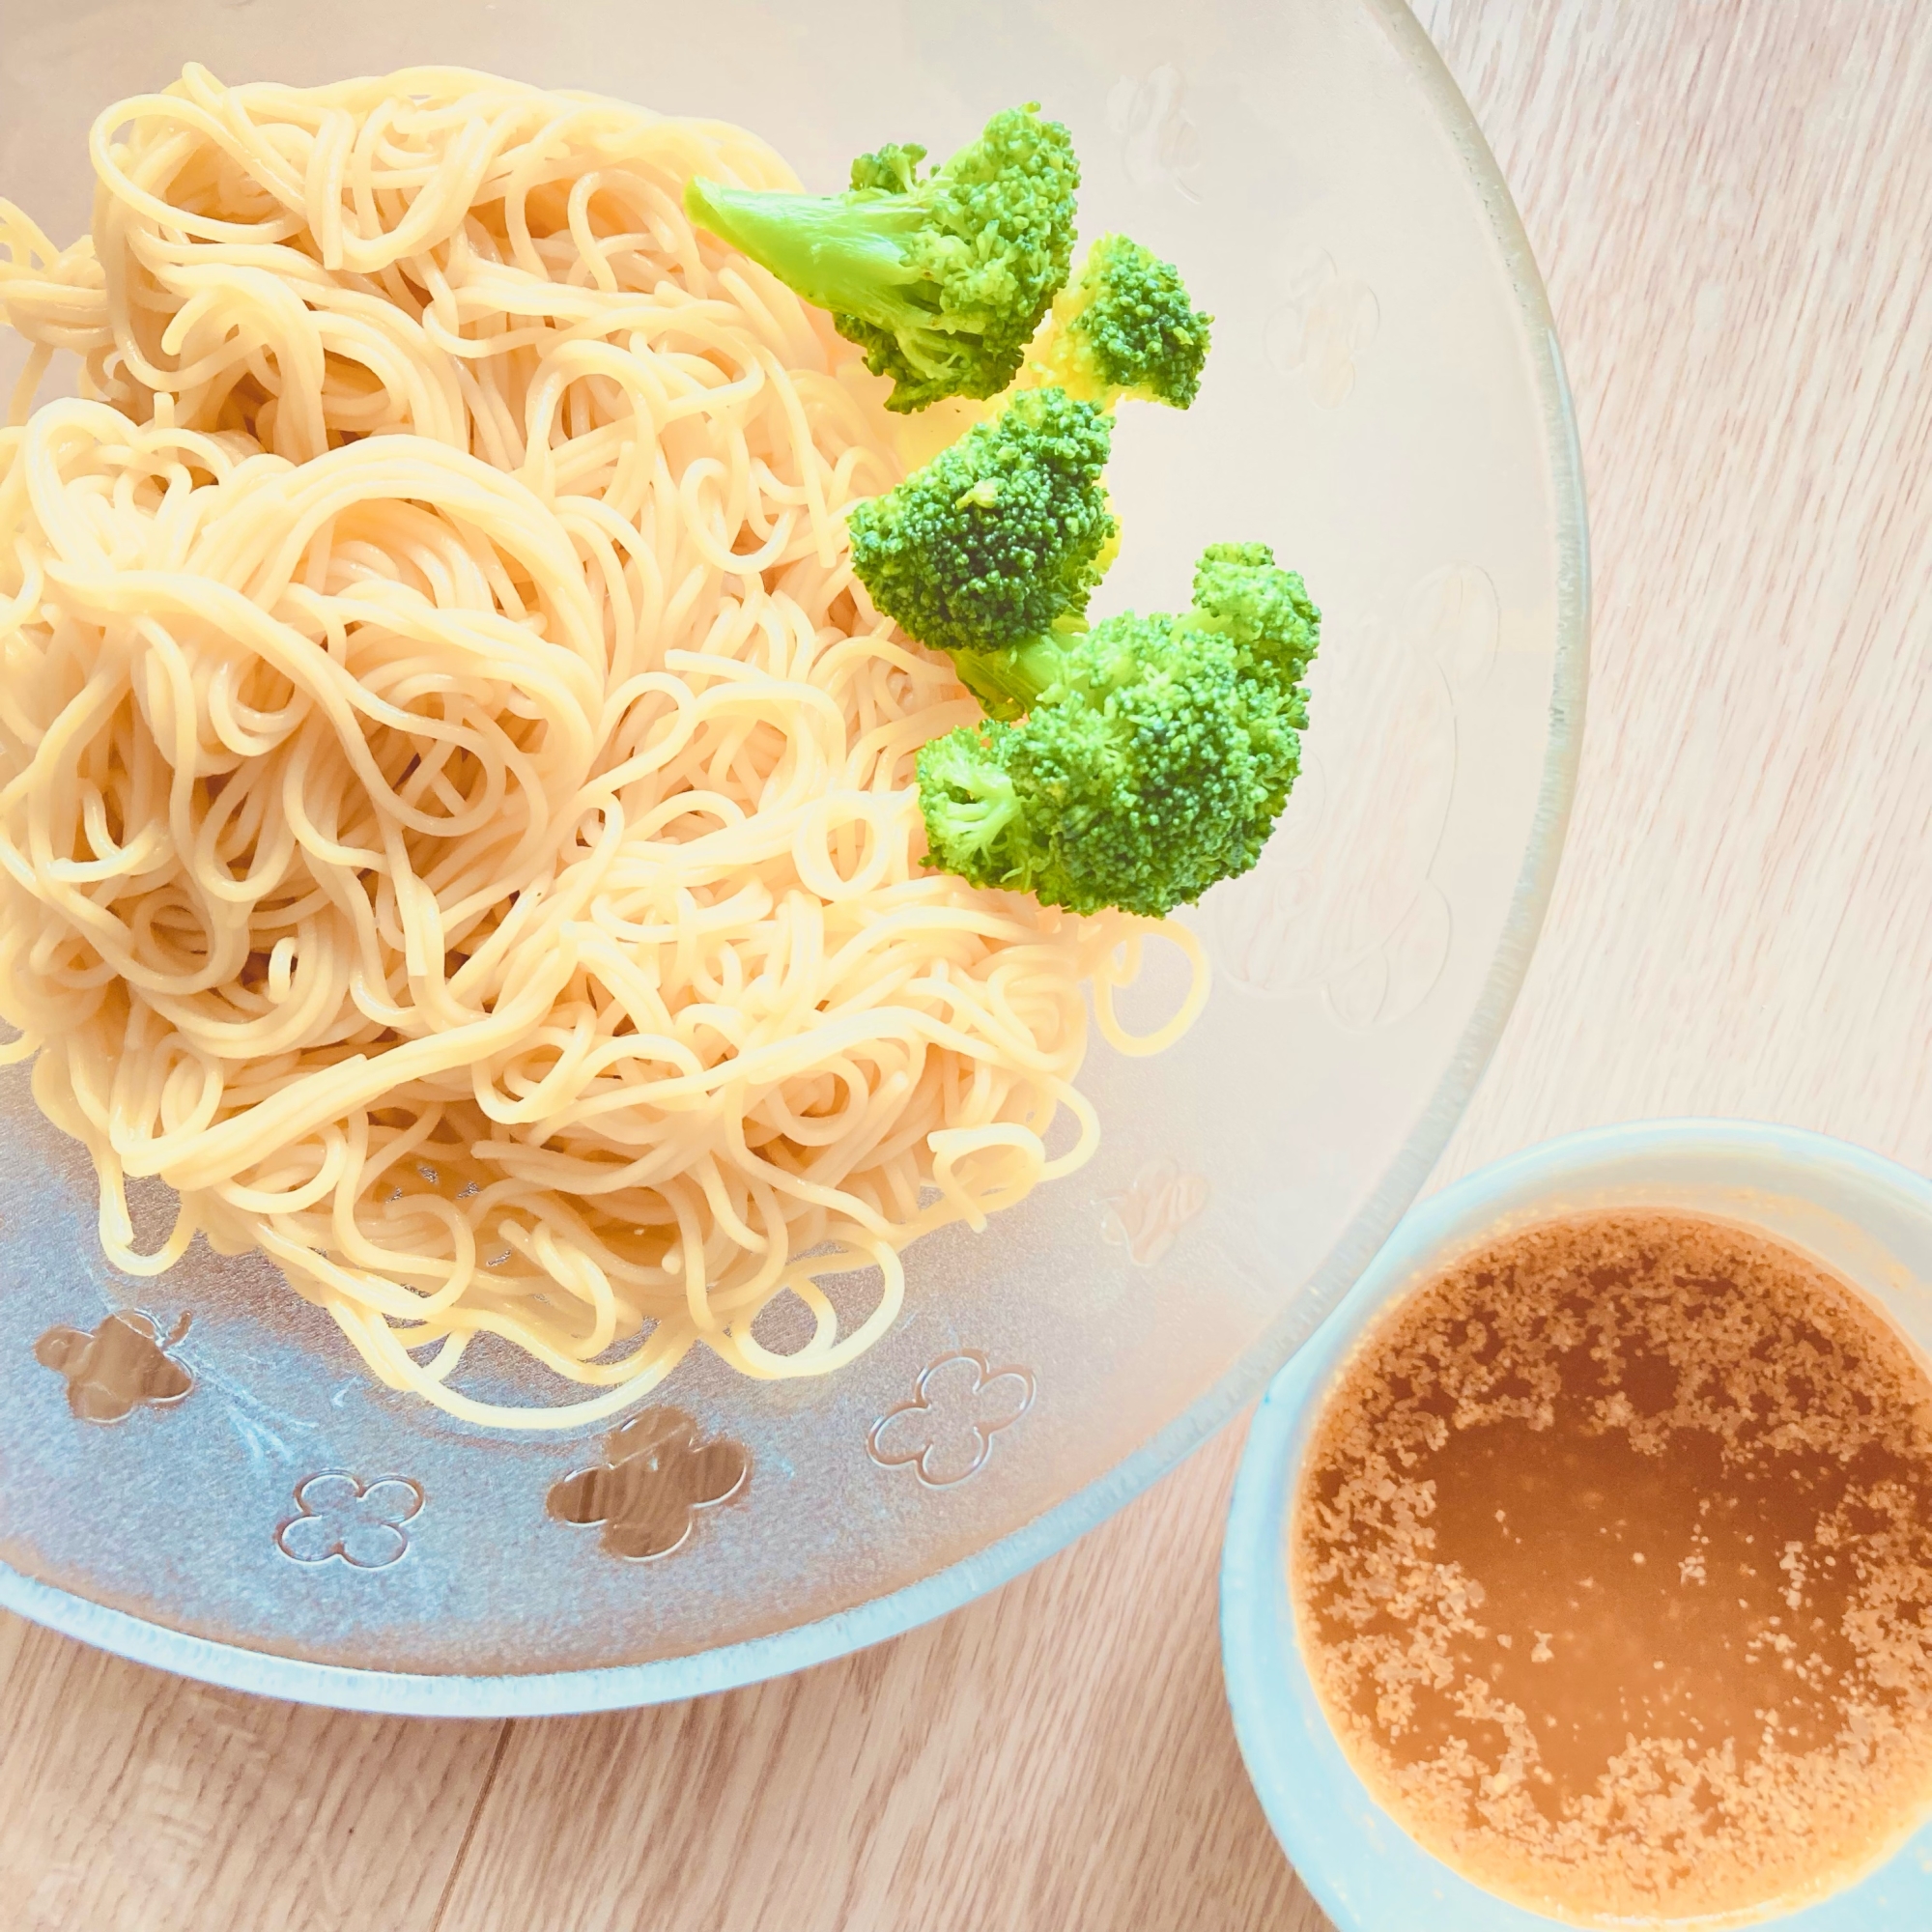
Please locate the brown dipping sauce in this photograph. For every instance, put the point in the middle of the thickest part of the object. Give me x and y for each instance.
(1612, 1564)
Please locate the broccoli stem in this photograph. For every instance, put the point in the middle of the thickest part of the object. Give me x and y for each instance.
(1009, 680)
(840, 255)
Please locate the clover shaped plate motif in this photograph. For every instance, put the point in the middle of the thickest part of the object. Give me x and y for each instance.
(1160, 144)
(946, 1432)
(122, 1366)
(1158, 1203)
(656, 1475)
(338, 1515)
(1329, 319)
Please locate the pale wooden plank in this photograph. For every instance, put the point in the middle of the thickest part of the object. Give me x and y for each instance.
(1057, 1755)
(1733, 206)
(136, 1801)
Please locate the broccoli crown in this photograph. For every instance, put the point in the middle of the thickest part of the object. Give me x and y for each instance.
(1240, 591)
(941, 278)
(1002, 536)
(1153, 755)
(1124, 327)
(1150, 769)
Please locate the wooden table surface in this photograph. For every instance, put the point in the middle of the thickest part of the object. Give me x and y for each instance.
(1732, 200)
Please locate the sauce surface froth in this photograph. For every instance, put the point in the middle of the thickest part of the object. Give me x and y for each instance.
(1612, 1564)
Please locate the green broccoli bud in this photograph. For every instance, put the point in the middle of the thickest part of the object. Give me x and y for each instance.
(892, 169)
(961, 777)
(1267, 611)
(941, 278)
(1002, 536)
(1125, 326)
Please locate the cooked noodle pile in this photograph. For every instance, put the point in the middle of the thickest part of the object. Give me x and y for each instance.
(456, 805)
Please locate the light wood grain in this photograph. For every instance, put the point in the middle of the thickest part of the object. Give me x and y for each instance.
(1733, 206)
(130, 1799)
(1057, 1755)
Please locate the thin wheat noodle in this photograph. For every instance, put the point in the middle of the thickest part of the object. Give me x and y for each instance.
(456, 812)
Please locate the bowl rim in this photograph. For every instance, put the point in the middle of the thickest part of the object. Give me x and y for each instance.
(540, 1694)
(1330, 1827)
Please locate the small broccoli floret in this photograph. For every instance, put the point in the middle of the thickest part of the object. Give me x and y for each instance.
(941, 278)
(963, 783)
(1124, 327)
(1002, 536)
(1154, 755)
(1267, 611)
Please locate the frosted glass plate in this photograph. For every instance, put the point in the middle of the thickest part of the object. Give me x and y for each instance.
(1387, 406)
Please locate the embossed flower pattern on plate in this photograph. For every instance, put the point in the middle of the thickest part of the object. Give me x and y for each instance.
(122, 1366)
(656, 1476)
(1320, 331)
(340, 1515)
(1159, 145)
(946, 1432)
(1159, 1201)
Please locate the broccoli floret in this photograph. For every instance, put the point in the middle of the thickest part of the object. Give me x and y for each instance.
(963, 781)
(1124, 327)
(941, 278)
(1151, 770)
(1153, 758)
(1002, 536)
(1239, 590)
